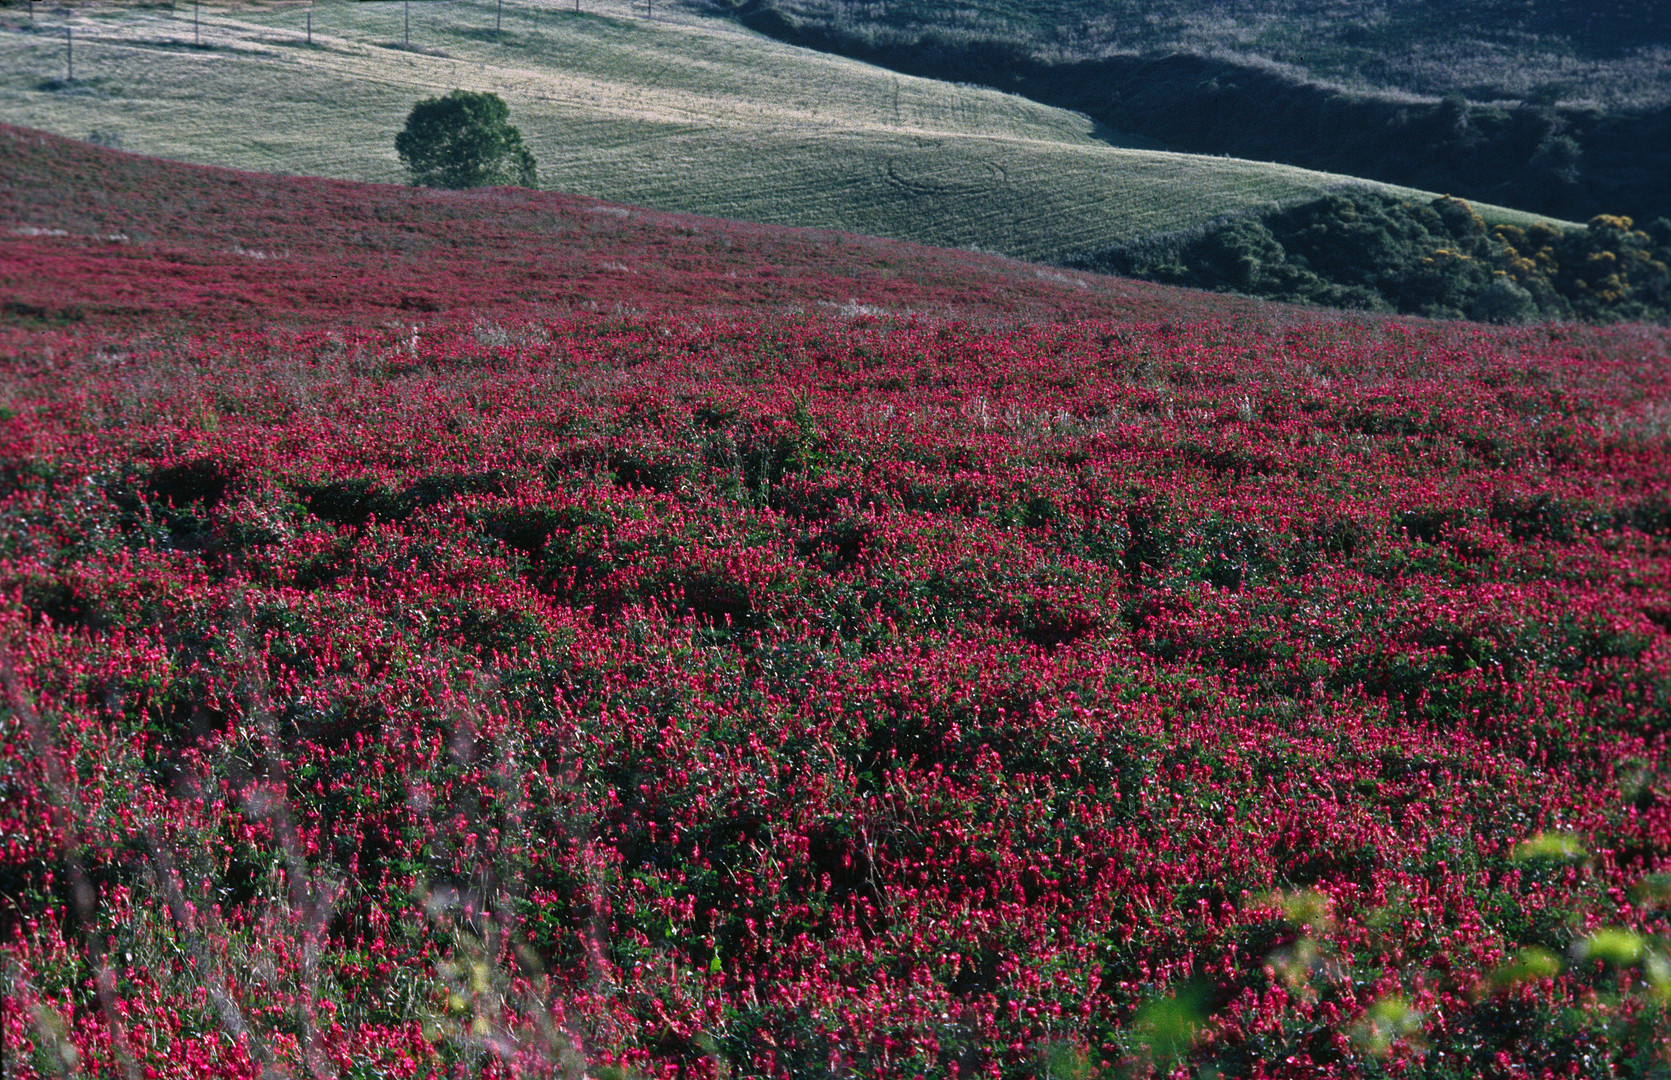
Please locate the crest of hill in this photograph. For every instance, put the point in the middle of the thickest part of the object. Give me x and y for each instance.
(88, 233)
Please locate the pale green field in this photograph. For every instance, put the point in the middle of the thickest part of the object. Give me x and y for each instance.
(678, 112)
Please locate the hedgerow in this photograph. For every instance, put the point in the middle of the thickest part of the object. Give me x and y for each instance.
(1372, 252)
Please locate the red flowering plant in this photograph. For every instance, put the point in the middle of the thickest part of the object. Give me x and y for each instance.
(682, 693)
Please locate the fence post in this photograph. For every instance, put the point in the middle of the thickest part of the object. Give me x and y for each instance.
(69, 55)
(407, 8)
(310, 22)
(498, 19)
(196, 34)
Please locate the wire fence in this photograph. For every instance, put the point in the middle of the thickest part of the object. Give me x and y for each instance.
(417, 25)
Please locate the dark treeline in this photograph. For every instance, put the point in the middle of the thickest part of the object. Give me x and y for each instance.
(1562, 161)
(1369, 251)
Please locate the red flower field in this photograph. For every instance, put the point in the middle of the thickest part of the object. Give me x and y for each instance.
(429, 649)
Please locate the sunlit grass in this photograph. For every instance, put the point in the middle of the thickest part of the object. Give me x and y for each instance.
(677, 112)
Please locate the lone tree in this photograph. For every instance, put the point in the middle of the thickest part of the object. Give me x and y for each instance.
(464, 140)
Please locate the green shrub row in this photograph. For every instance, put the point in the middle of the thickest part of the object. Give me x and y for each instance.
(1374, 252)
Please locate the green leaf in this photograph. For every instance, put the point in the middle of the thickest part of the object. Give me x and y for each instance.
(1528, 965)
(1166, 1027)
(1612, 944)
(1552, 847)
(1384, 1023)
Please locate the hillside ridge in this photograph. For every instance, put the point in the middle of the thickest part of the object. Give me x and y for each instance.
(78, 224)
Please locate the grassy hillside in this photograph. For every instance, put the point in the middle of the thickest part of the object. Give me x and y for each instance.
(678, 112)
(1561, 108)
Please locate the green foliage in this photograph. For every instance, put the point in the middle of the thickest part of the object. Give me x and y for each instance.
(1621, 948)
(1554, 847)
(1166, 1027)
(464, 140)
(1385, 1023)
(1374, 252)
(1529, 965)
(1503, 301)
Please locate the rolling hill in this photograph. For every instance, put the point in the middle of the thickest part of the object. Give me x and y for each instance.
(678, 112)
(1555, 107)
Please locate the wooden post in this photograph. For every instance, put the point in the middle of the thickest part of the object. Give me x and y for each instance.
(498, 19)
(69, 55)
(196, 34)
(407, 7)
(310, 22)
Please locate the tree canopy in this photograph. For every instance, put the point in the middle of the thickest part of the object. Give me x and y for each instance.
(464, 140)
